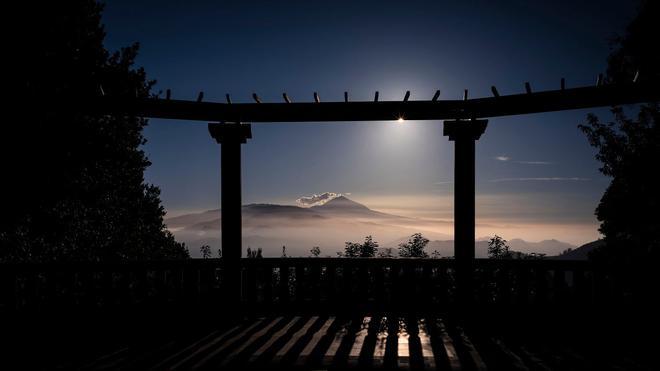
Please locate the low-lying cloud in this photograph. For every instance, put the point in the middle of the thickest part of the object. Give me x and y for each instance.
(317, 200)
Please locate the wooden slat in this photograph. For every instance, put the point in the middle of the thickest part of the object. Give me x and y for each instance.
(233, 340)
(294, 339)
(274, 338)
(472, 353)
(425, 342)
(447, 344)
(198, 348)
(514, 361)
(381, 343)
(403, 348)
(329, 356)
(324, 331)
(360, 336)
(255, 337)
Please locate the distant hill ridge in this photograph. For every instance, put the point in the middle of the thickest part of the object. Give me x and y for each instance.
(270, 226)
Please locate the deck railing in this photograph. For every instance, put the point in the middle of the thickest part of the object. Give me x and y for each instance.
(299, 283)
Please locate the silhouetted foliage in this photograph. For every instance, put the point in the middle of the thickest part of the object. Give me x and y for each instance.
(205, 251)
(367, 249)
(253, 254)
(629, 149)
(636, 50)
(414, 248)
(498, 248)
(315, 251)
(385, 252)
(77, 181)
(284, 251)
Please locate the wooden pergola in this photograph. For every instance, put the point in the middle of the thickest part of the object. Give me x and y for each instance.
(464, 122)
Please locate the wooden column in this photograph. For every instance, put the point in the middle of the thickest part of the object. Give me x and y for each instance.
(231, 136)
(464, 134)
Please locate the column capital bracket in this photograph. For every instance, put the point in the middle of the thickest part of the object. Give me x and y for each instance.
(224, 132)
(464, 129)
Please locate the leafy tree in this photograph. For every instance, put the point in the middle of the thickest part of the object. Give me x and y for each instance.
(386, 252)
(315, 251)
(76, 180)
(629, 149)
(254, 254)
(367, 249)
(414, 248)
(205, 251)
(498, 248)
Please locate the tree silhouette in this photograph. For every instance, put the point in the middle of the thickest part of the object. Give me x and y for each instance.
(77, 180)
(414, 248)
(498, 248)
(315, 251)
(629, 149)
(253, 254)
(205, 251)
(385, 252)
(367, 249)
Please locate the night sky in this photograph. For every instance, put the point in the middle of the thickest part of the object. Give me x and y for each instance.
(534, 171)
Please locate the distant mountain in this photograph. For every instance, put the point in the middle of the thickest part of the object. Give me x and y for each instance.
(547, 247)
(582, 252)
(343, 206)
(270, 226)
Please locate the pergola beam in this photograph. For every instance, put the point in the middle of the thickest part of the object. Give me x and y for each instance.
(501, 105)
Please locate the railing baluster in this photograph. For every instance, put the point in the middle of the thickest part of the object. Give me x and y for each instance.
(379, 283)
(284, 283)
(541, 286)
(314, 280)
(330, 284)
(347, 282)
(559, 286)
(266, 280)
(301, 292)
(503, 285)
(522, 285)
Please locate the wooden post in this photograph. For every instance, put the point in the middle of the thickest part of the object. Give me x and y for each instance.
(464, 134)
(231, 136)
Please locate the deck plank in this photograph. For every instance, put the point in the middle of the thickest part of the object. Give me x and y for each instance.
(197, 348)
(447, 344)
(358, 342)
(282, 352)
(323, 332)
(425, 341)
(343, 334)
(273, 339)
(233, 340)
(381, 343)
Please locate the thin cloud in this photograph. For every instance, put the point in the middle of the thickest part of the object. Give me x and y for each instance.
(505, 158)
(542, 179)
(535, 162)
(443, 183)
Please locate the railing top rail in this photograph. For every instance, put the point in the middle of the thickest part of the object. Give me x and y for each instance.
(291, 262)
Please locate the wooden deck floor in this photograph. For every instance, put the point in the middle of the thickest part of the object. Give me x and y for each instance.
(337, 343)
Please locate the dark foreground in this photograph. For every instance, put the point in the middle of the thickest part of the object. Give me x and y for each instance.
(208, 340)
